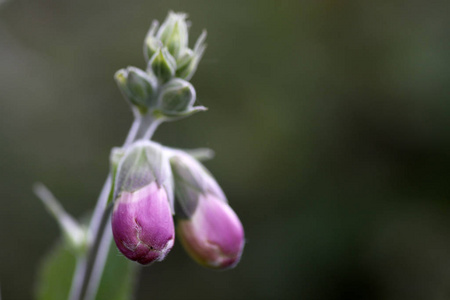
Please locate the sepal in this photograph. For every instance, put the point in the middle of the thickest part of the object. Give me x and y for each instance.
(114, 158)
(192, 180)
(144, 162)
(74, 234)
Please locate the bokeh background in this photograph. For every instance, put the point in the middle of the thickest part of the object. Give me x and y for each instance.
(330, 121)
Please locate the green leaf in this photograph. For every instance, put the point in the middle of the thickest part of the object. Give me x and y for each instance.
(56, 271)
(55, 274)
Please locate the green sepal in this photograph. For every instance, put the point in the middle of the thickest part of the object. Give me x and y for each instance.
(174, 117)
(191, 180)
(75, 235)
(143, 162)
(114, 159)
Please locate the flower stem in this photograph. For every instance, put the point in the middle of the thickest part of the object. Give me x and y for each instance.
(90, 266)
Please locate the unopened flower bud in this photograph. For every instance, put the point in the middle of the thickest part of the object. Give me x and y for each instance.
(177, 97)
(189, 59)
(163, 65)
(151, 43)
(137, 86)
(141, 221)
(208, 228)
(174, 33)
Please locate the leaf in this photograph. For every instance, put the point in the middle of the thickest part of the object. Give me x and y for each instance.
(55, 274)
(56, 271)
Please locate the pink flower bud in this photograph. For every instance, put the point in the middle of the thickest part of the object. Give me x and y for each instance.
(142, 224)
(213, 235)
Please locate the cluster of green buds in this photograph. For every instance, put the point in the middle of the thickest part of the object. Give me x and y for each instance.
(163, 89)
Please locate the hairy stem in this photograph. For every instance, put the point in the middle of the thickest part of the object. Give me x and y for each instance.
(89, 270)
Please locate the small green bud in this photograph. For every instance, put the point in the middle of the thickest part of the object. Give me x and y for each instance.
(184, 59)
(177, 97)
(137, 86)
(174, 33)
(189, 60)
(151, 44)
(163, 65)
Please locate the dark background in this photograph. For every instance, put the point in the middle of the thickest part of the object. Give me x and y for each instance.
(330, 121)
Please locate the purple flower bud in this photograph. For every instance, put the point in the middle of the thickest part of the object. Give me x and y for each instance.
(142, 221)
(213, 236)
(142, 224)
(208, 228)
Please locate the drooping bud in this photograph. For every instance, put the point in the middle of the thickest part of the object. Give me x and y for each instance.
(137, 86)
(162, 64)
(174, 33)
(207, 226)
(141, 221)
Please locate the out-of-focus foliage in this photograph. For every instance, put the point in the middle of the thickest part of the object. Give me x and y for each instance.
(55, 276)
(330, 122)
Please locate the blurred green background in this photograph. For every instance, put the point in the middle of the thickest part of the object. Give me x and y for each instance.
(330, 121)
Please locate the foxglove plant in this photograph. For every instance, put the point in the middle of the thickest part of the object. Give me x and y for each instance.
(149, 184)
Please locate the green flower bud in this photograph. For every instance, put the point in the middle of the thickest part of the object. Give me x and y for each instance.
(174, 33)
(137, 86)
(177, 96)
(151, 44)
(189, 60)
(163, 65)
(177, 99)
(184, 60)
